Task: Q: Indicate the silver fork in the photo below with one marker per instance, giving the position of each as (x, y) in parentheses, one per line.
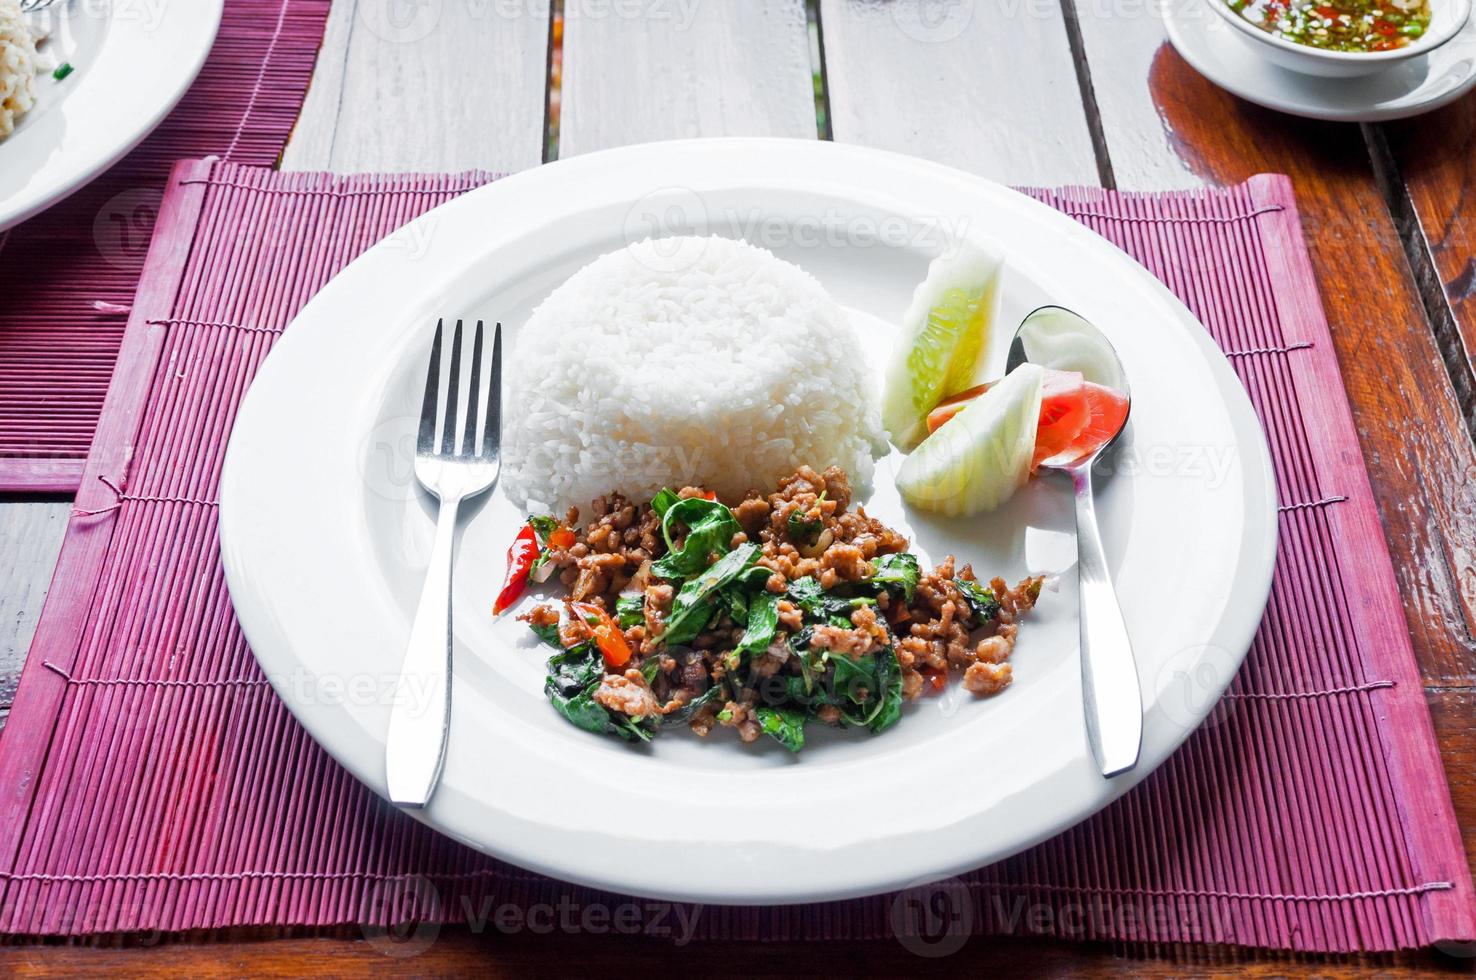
(453, 470)
(30, 6)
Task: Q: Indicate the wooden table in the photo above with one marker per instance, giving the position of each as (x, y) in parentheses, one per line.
(1022, 92)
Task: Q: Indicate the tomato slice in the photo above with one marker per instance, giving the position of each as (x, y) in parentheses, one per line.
(1108, 410)
(952, 405)
(1063, 414)
(1076, 416)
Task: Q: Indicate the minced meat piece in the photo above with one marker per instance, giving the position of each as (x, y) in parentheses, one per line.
(544, 614)
(985, 678)
(851, 643)
(628, 694)
(752, 514)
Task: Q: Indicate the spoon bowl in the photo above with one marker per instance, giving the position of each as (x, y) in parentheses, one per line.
(1056, 338)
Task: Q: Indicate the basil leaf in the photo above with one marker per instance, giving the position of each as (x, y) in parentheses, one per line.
(736, 604)
(794, 691)
(855, 679)
(713, 695)
(802, 529)
(763, 621)
(981, 600)
(543, 526)
(888, 693)
(630, 610)
(897, 573)
(632, 729)
(710, 528)
(785, 724)
(799, 645)
(693, 606)
(584, 712)
(815, 601)
(548, 634)
(573, 677)
(663, 500)
(573, 670)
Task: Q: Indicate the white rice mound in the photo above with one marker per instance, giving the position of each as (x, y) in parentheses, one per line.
(17, 67)
(693, 361)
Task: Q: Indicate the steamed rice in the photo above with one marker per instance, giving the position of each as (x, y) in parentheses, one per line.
(17, 67)
(698, 361)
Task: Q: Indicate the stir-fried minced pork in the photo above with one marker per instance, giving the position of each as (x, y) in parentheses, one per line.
(785, 608)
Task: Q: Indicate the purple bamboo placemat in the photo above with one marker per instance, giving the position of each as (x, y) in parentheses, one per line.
(67, 275)
(150, 779)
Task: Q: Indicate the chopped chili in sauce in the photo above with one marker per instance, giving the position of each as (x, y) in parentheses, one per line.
(1339, 25)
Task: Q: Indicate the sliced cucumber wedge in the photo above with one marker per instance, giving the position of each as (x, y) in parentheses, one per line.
(945, 334)
(982, 456)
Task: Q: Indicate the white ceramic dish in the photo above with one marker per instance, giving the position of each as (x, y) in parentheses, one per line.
(1447, 19)
(1220, 52)
(131, 64)
(325, 538)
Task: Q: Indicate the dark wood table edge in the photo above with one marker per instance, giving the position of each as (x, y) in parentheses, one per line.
(270, 951)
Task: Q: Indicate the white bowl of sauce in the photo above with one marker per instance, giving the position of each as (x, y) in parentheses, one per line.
(1344, 38)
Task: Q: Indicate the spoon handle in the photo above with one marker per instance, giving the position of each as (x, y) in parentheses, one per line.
(1109, 676)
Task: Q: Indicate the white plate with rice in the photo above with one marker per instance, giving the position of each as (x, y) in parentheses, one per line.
(129, 64)
(325, 535)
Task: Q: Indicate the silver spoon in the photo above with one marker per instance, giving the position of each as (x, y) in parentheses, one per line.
(1054, 337)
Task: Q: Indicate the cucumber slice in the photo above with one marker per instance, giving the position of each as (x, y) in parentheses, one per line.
(945, 334)
(982, 456)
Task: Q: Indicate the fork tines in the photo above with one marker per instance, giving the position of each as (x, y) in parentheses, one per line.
(454, 407)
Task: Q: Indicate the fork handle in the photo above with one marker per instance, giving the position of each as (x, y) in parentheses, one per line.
(1109, 675)
(420, 713)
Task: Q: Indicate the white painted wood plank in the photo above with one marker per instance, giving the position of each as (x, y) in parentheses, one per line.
(641, 70)
(439, 85)
(1121, 50)
(30, 538)
(310, 147)
(987, 87)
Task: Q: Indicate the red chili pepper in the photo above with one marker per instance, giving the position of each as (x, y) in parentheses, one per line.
(1327, 12)
(709, 495)
(519, 560)
(561, 538)
(1383, 27)
(937, 679)
(607, 634)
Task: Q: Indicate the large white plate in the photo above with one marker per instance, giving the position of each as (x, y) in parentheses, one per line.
(325, 538)
(132, 61)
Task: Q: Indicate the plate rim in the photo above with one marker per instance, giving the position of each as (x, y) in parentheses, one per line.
(187, 35)
(1257, 462)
